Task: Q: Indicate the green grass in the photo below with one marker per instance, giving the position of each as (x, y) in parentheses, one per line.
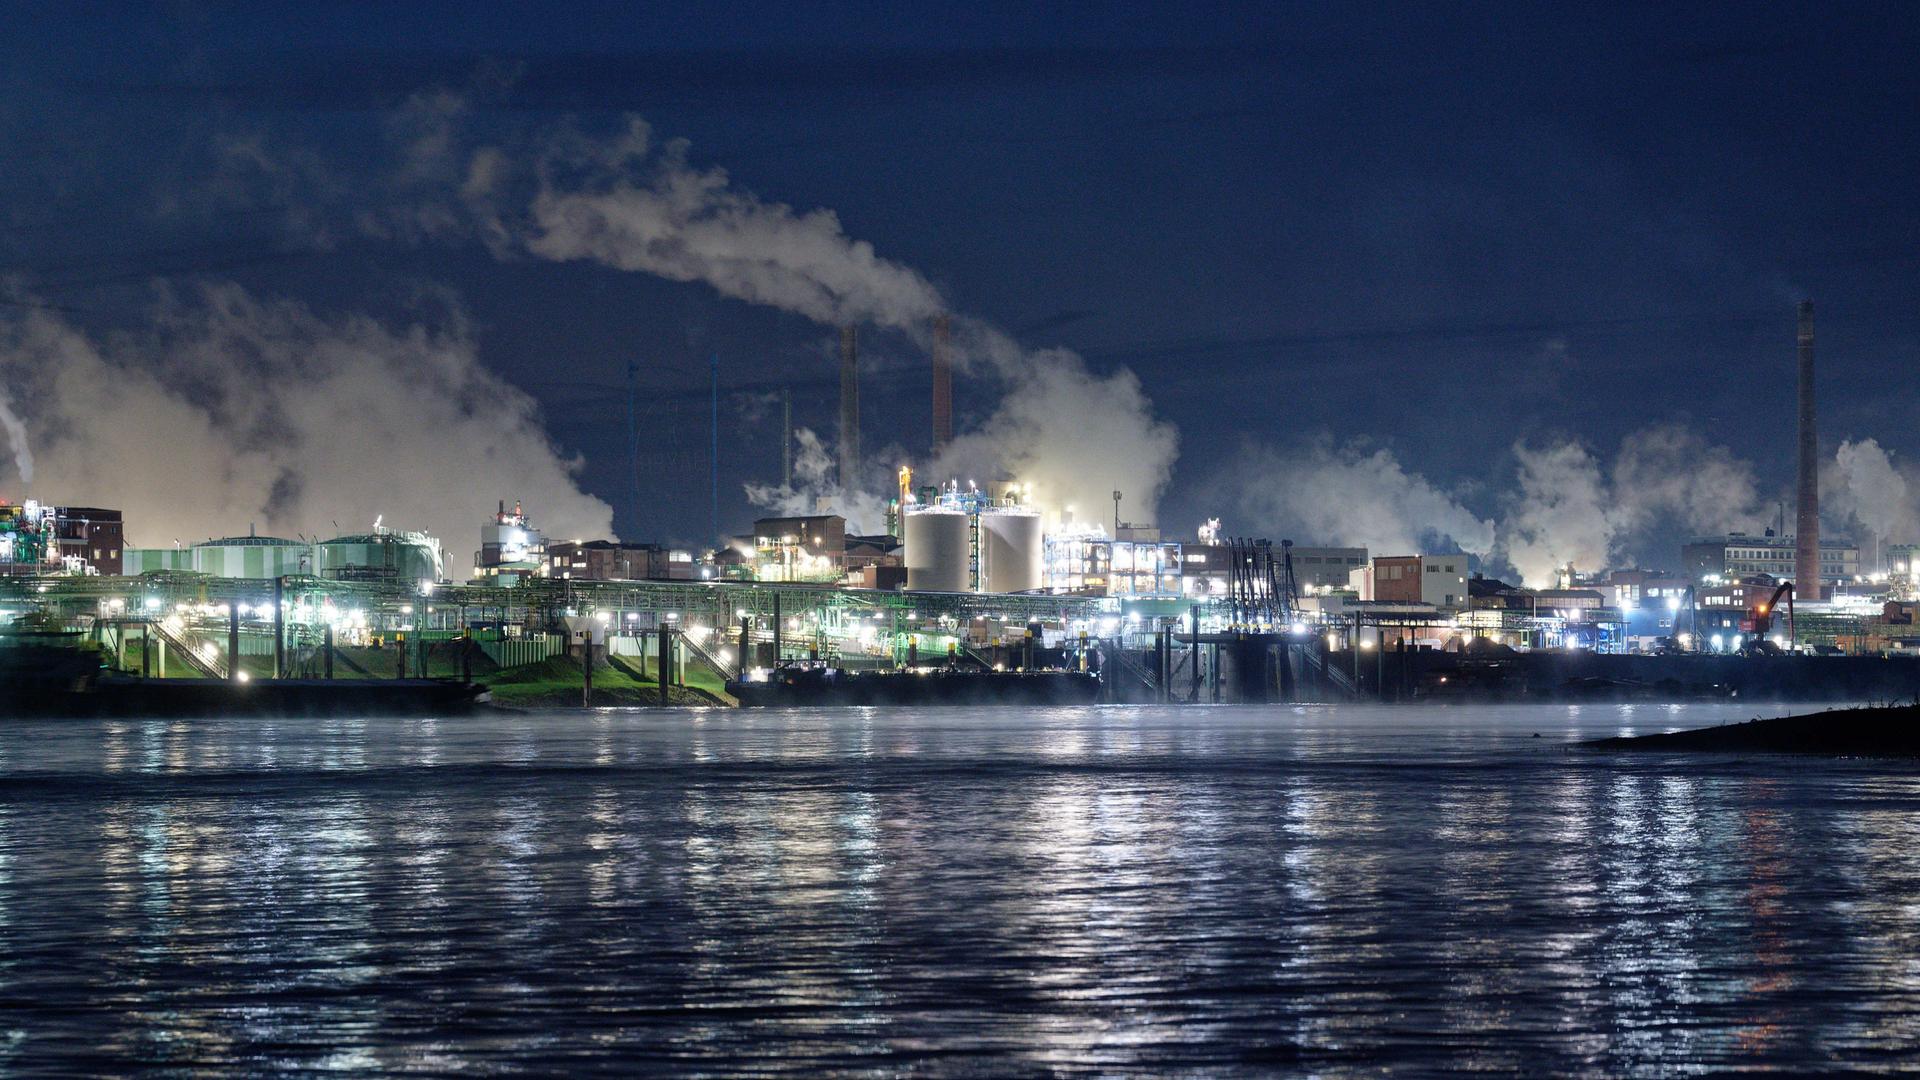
(556, 682)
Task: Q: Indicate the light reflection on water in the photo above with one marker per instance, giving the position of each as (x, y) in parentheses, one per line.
(1216, 890)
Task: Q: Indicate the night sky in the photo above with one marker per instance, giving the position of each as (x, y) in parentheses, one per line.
(1438, 230)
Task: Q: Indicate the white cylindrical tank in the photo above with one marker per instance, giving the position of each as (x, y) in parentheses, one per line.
(937, 542)
(1012, 557)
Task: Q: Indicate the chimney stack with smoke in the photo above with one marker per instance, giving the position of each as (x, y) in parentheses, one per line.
(1806, 535)
(942, 382)
(849, 408)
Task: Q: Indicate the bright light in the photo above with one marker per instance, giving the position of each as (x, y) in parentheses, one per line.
(1673, 603)
(243, 676)
(1717, 641)
(1366, 644)
(152, 603)
(1298, 628)
(602, 616)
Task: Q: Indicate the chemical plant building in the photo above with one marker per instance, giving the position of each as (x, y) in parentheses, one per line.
(1738, 554)
(611, 560)
(38, 539)
(1439, 581)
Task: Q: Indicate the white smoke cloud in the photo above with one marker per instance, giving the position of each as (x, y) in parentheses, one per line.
(633, 202)
(1668, 473)
(815, 490)
(1864, 486)
(1559, 515)
(1565, 506)
(17, 439)
(1354, 495)
(1074, 435)
(1664, 480)
(628, 203)
(232, 412)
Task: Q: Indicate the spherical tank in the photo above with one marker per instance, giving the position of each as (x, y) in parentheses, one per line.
(1011, 551)
(936, 541)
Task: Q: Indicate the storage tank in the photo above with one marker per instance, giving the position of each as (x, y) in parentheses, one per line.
(937, 542)
(408, 557)
(1012, 558)
(253, 557)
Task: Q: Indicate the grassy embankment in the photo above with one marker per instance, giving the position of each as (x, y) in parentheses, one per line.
(556, 683)
(547, 684)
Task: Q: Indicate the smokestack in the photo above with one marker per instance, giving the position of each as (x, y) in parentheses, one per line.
(849, 408)
(942, 382)
(1806, 530)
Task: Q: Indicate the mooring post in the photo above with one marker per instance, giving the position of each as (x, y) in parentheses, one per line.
(1193, 651)
(666, 659)
(1380, 667)
(146, 649)
(279, 629)
(233, 641)
(776, 629)
(326, 649)
(586, 669)
(1166, 664)
(746, 629)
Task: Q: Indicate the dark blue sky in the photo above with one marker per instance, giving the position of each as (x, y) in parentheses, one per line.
(1443, 228)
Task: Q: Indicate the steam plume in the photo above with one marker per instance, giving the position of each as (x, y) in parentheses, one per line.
(230, 411)
(636, 203)
(17, 439)
(1867, 487)
(1356, 495)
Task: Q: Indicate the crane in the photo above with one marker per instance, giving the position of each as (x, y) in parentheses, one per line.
(1762, 620)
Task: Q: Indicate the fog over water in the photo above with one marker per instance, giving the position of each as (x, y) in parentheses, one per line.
(1104, 889)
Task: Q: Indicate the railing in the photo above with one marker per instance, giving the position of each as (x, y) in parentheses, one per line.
(187, 650)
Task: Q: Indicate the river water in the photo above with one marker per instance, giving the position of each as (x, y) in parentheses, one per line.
(1094, 890)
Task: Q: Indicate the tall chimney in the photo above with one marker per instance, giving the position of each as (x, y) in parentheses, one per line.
(942, 382)
(849, 407)
(1806, 529)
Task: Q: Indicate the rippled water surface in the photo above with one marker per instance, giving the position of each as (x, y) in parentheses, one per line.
(1225, 890)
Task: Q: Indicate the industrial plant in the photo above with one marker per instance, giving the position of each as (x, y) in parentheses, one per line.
(970, 576)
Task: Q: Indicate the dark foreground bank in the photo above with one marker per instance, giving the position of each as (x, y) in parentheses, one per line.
(1889, 731)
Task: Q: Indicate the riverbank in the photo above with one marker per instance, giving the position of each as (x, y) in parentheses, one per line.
(1868, 731)
(556, 683)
